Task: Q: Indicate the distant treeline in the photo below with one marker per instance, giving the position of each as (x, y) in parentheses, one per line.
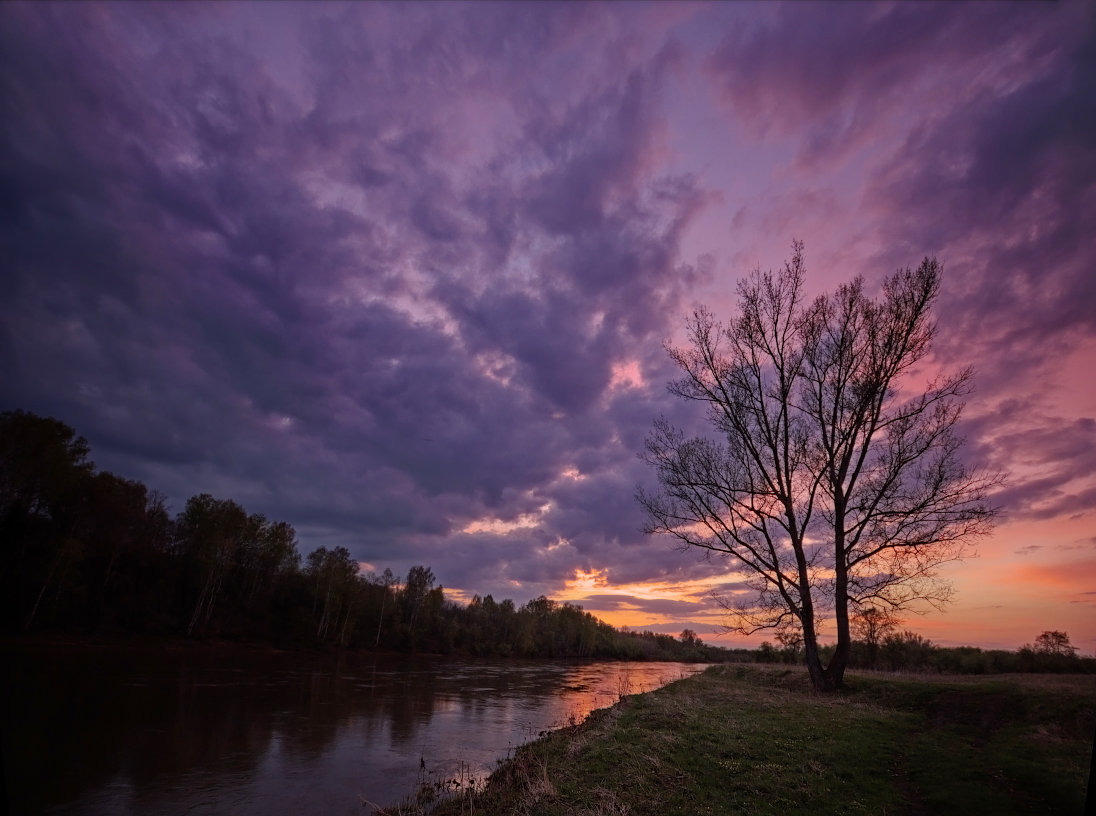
(85, 552)
(909, 652)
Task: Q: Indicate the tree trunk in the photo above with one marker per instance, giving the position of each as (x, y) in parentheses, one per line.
(840, 659)
(346, 620)
(321, 630)
(820, 677)
(198, 607)
(381, 619)
(254, 588)
(34, 611)
(106, 580)
(205, 599)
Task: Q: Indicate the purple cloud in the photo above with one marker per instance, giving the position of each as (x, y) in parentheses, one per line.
(323, 299)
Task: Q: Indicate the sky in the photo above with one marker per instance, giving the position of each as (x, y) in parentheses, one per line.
(401, 274)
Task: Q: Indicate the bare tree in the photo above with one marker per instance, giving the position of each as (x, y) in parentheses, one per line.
(1055, 643)
(870, 625)
(827, 489)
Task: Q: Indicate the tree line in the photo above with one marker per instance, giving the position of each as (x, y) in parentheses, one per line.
(87, 552)
(907, 651)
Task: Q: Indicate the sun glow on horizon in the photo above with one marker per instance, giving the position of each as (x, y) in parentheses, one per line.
(598, 579)
(626, 604)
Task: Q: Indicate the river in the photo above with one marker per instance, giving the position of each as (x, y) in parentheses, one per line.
(190, 731)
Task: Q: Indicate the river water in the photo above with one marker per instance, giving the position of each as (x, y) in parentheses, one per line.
(127, 731)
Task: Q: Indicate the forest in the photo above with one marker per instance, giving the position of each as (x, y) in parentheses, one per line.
(87, 553)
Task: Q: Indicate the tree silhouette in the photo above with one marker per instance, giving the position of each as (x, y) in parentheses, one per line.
(1054, 643)
(871, 625)
(826, 490)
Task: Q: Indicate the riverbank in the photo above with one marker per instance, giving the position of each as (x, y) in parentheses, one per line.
(754, 739)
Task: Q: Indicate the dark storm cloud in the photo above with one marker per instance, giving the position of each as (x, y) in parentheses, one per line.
(309, 296)
(833, 74)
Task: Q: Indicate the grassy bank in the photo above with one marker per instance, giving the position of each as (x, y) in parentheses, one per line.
(752, 739)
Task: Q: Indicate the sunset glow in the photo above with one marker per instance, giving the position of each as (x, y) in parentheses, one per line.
(498, 526)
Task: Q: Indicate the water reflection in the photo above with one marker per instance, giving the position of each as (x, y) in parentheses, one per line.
(94, 731)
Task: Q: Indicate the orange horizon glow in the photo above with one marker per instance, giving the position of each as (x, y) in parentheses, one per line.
(1002, 601)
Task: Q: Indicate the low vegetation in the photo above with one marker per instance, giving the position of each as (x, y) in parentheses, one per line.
(907, 651)
(752, 739)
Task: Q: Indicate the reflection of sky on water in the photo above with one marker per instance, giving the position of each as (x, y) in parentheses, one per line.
(125, 732)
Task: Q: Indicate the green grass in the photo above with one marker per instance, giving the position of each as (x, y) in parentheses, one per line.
(757, 740)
